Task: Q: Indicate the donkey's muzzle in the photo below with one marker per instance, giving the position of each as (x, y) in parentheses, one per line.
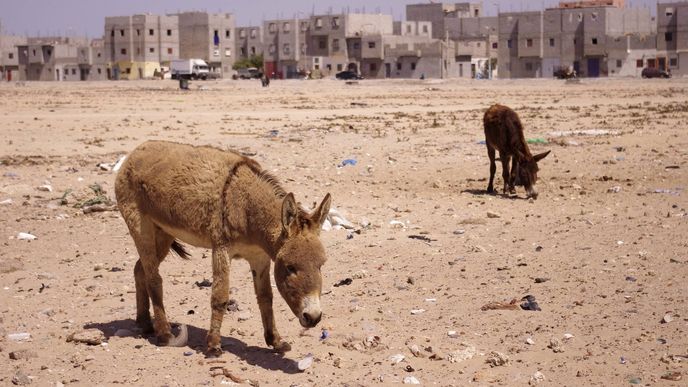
(310, 320)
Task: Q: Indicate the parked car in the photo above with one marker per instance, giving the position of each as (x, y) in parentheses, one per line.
(564, 72)
(248, 73)
(649, 72)
(347, 74)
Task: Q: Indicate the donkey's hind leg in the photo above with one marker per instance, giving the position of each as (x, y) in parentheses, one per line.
(493, 168)
(505, 170)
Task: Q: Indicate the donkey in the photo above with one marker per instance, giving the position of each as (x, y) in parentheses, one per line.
(226, 202)
(504, 132)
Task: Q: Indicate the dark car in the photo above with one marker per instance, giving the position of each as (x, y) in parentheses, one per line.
(348, 75)
(649, 72)
(564, 72)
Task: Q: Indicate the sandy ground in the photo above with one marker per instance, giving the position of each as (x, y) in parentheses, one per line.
(606, 240)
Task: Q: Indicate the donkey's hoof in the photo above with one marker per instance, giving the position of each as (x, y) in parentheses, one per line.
(282, 347)
(164, 339)
(145, 325)
(213, 352)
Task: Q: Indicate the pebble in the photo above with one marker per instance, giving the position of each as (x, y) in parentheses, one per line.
(25, 236)
(493, 215)
(530, 341)
(188, 353)
(417, 311)
(568, 336)
(411, 380)
(462, 354)
(453, 334)
(415, 350)
(243, 316)
(555, 345)
(88, 336)
(21, 379)
(497, 359)
(615, 189)
(19, 336)
(398, 358)
(305, 363)
(537, 377)
(459, 232)
(24, 354)
(98, 267)
(45, 188)
(667, 318)
(6, 202)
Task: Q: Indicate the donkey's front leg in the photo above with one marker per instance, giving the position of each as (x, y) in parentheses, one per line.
(218, 299)
(260, 268)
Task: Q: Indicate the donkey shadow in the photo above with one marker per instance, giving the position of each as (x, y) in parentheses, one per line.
(256, 356)
(483, 192)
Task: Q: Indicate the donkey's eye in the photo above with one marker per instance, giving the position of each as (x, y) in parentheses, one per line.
(291, 269)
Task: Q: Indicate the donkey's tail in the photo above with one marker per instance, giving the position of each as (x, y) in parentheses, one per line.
(180, 250)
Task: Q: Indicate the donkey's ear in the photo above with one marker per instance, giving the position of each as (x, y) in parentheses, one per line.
(320, 214)
(289, 212)
(541, 156)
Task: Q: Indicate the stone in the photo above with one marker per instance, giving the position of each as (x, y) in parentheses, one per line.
(22, 336)
(398, 358)
(415, 350)
(23, 354)
(555, 345)
(667, 318)
(493, 215)
(530, 341)
(411, 380)
(21, 379)
(88, 336)
(305, 363)
(536, 378)
(244, 316)
(497, 359)
(462, 354)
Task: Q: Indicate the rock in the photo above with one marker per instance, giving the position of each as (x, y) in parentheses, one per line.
(615, 189)
(244, 316)
(45, 188)
(47, 312)
(415, 350)
(305, 363)
(568, 336)
(417, 311)
(493, 215)
(673, 376)
(98, 267)
(530, 341)
(398, 358)
(360, 274)
(555, 345)
(459, 232)
(453, 334)
(667, 318)
(462, 354)
(123, 333)
(23, 354)
(21, 379)
(536, 378)
(411, 380)
(88, 336)
(23, 336)
(497, 359)
(25, 236)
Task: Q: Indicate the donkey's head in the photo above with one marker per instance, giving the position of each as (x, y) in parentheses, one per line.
(298, 261)
(526, 173)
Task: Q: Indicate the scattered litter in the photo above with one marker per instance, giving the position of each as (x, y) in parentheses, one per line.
(24, 236)
(622, 360)
(338, 221)
(415, 350)
(667, 318)
(346, 162)
(635, 381)
(204, 284)
(459, 232)
(586, 132)
(537, 377)
(536, 141)
(324, 334)
(430, 300)
(344, 282)
(615, 189)
(119, 163)
(672, 167)
(45, 188)
(497, 359)
(411, 380)
(398, 358)
(22, 336)
(568, 336)
(397, 224)
(453, 334)
(530, 341)
(674, 376)
(6, 202)
(417, 311)
(305, 363)
(462, 354)
(530, 303)
(481, 142)
(630, 278)
(273, 133)
(675, 192)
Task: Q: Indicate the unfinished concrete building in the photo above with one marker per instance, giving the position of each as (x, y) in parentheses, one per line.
(535, 44)
(92, 61)
(9, 56)
(283, 42)
(50, 59)
(248, 42)
(439, 13)
(592, 3)
(672, 38)
(210, 37)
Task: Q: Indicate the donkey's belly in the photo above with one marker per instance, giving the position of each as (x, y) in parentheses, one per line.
(186, 236)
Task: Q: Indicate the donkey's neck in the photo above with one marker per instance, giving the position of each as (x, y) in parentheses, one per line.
(254, 211)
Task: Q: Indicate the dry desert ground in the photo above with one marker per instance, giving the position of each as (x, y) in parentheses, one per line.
(603, 250)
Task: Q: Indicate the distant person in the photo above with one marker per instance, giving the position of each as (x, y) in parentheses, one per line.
(265, 80)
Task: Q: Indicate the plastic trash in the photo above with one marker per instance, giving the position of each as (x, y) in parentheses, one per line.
(25, 236)
(305, 363)
(537, 140)
(346, 162)
(530, 303)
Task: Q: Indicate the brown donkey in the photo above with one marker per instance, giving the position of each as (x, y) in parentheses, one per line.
(504, 132)
(226, 202)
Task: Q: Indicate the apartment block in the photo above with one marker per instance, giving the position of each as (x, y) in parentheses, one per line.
(248, 42)
(284, 46)
(92, 61)
(672, 37)
(50, 59)
(9, 57)
(210, 37)
(440, 13)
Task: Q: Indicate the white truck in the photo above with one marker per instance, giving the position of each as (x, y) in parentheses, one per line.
(189, 69)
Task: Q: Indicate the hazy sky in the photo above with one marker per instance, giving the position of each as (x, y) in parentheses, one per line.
(86, 17)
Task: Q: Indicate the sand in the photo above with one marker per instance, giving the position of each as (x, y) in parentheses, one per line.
(602, 250)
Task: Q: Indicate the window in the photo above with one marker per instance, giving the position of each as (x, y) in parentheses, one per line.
(669, 11)
(138, 50)
(121, 32)
(508, 43)
(73, 71)
(476, 12)
(151, 32)
(316, 60)
(398, 65)
(322, 43)
(303, 48)
(243, 51)
(335, 22)
(216, 52)
(329, 67)
(170, 51)
(478, 44)
(495, 45)
(575, 41)
(286, 27)
(98, 55)
(335, 44)
(357, 46)
(340, 67)
(138, 32)
(11, 55)
(408, 28)
(228, 52)
(304, 26)
(272, 27)
(668, 36)
(253, 32)
(242, 33)
(34, 52)
(316, 67)
(49, 51)
(227, 34)
(99, 70)
(318, 23)
(112, 33)
(673, 62)
(286, 48)
(618, 63)
(594, 41)
(371, 44)
(593, 16)
(551, 42)
(169, 32)
(151, 49)
(253, 50)
(529, 66)
(580, 17)
(272, 49)
(123, 51)
(413, 65)
(639, 63)
(373, 67)
(529, 42)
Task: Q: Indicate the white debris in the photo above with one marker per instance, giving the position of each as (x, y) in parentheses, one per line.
(586, 132)
(25, 236)
(568, 336)
(497, 359)
(411, 380)
(462, 354)
(335, 220)
(667, 318)
(530, 341)
(19, 336)
(398, 358)
(45, 188)
(306, 362)
(453, 334)
(417, 311)
(536, 378)
(6, 202)
(397, 224)
(119, 163)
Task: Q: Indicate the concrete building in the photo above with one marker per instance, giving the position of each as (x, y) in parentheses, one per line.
(439, 13)
(592, 3)
(9, 57)
(248, 42)
(50, 59)
(92, 61)
(210, 37)
(137, 46)
(672, 38)
(283, 43)
(409, 56)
